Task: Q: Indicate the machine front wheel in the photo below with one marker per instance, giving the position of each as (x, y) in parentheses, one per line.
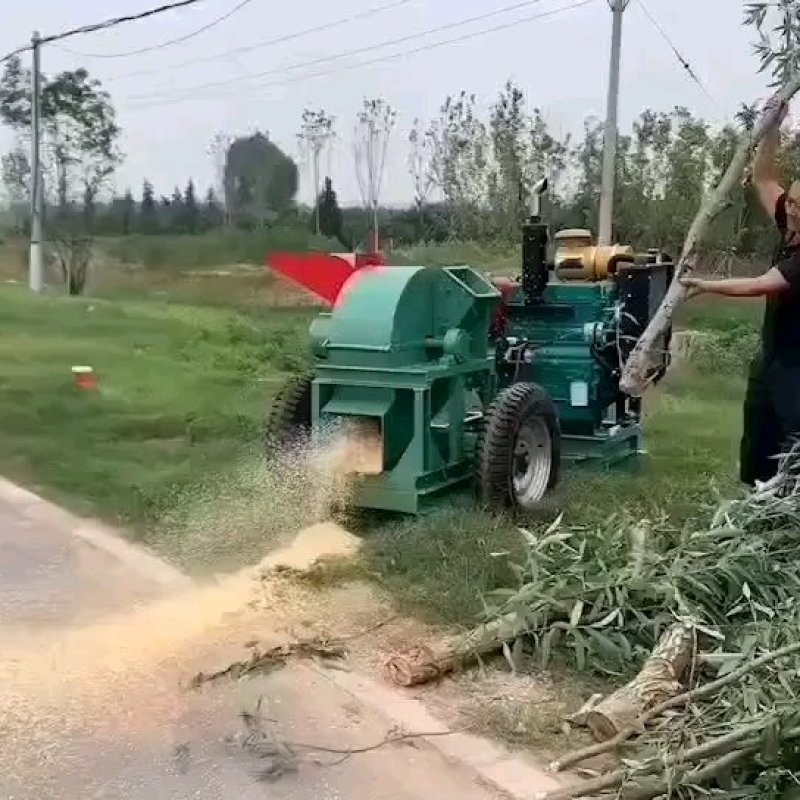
(519, 448)
(290, 416)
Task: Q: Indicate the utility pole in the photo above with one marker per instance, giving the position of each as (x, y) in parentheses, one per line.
(36, 261)
(606, 213)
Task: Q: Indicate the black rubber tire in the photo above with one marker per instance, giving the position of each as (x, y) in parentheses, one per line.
(290, 416)
(509, 411)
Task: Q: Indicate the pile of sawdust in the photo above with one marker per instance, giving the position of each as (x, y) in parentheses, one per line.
(233, 518)
(125, 673)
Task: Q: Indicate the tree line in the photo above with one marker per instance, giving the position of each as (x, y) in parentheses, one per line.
(470, 174)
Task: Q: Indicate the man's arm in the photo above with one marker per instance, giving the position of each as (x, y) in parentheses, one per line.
(766, 175)
(771, 282)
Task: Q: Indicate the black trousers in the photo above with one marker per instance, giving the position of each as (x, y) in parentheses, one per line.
(771, 418)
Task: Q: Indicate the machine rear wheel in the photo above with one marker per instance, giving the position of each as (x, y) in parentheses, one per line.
(519, 448)
(290, 417)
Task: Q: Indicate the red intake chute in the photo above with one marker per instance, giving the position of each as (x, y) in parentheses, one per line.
(322, 274)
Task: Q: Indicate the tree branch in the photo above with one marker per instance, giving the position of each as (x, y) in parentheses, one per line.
(682, 699)
(637, 371)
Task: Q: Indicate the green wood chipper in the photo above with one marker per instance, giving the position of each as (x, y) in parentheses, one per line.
(475, 383)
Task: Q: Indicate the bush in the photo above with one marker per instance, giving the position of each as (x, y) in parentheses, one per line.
(213, 249)
(726, 352)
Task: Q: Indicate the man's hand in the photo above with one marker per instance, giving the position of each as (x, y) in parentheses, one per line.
(782, 113)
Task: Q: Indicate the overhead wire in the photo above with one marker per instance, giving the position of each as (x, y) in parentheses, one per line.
(169, 42)
(288, 37)
(345, 54)
(190, 93)
(17, 52)
(114, 21)
(101, 26)
(683, 62)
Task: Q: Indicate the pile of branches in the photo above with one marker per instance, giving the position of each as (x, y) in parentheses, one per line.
(709, 613)
(713, 614)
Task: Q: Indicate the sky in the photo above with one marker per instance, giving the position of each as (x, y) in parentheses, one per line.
(559, 60)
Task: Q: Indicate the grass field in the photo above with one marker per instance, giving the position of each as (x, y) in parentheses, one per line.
(188, 363)
(183, 390)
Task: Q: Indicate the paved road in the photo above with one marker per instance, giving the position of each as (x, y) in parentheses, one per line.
(76, 724)
(48, 576)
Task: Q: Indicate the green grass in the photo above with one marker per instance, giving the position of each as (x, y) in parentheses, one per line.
(184, 391)
(166, 447)
(498, 260)
(712, 313)
(210, 250)
(438, 567)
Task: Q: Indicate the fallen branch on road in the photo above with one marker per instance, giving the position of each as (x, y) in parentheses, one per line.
(272, 659)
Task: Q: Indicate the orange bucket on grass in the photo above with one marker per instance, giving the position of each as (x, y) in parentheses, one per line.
(84, 377)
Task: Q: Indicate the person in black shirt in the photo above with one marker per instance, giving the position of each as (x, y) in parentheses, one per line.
(772, 403)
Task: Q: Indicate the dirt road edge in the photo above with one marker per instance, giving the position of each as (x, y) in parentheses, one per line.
(491, 763)
(95, 534)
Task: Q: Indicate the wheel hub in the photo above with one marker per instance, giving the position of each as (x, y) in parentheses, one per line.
(532, 462)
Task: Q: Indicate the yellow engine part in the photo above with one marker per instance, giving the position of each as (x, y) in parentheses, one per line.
(577, 258)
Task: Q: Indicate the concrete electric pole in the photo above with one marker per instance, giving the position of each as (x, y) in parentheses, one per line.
(606, 212)
(36, 261)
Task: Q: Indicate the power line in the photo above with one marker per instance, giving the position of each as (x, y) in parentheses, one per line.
(17, 52)
(379, 59)
(370, 12)
(114, 21)
(683, 62)
(167, 43)
(101, 26)
(357, 51)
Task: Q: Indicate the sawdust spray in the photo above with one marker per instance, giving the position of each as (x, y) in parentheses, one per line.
(121, 677)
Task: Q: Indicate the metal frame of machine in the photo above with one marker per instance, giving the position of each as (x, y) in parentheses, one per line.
(470, 381)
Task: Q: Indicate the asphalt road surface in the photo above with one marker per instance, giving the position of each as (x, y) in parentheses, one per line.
(73, 724)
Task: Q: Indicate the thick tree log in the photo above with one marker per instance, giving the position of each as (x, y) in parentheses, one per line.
(707, 690)
(637, 372)
(660, 678)
(421, 664)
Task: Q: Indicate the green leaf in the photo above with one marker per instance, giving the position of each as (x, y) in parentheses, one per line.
(771, 747)
(580, 647)
(604, 647)
(577, 613)
(608, 619)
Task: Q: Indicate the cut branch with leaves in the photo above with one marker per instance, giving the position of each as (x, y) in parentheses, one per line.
(778, 48)
(709, 613)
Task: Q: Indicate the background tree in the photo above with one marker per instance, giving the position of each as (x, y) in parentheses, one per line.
(128, 212)
(79, 130)
(79, 153)
(420, 167)
(190, 210)
(212, 215)
(509, 180)
(328, 219)
(217, 149)
(16, 172)
(374, 125)
(148, 211)
(260, 180)
(460, 147)
(315, 136)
